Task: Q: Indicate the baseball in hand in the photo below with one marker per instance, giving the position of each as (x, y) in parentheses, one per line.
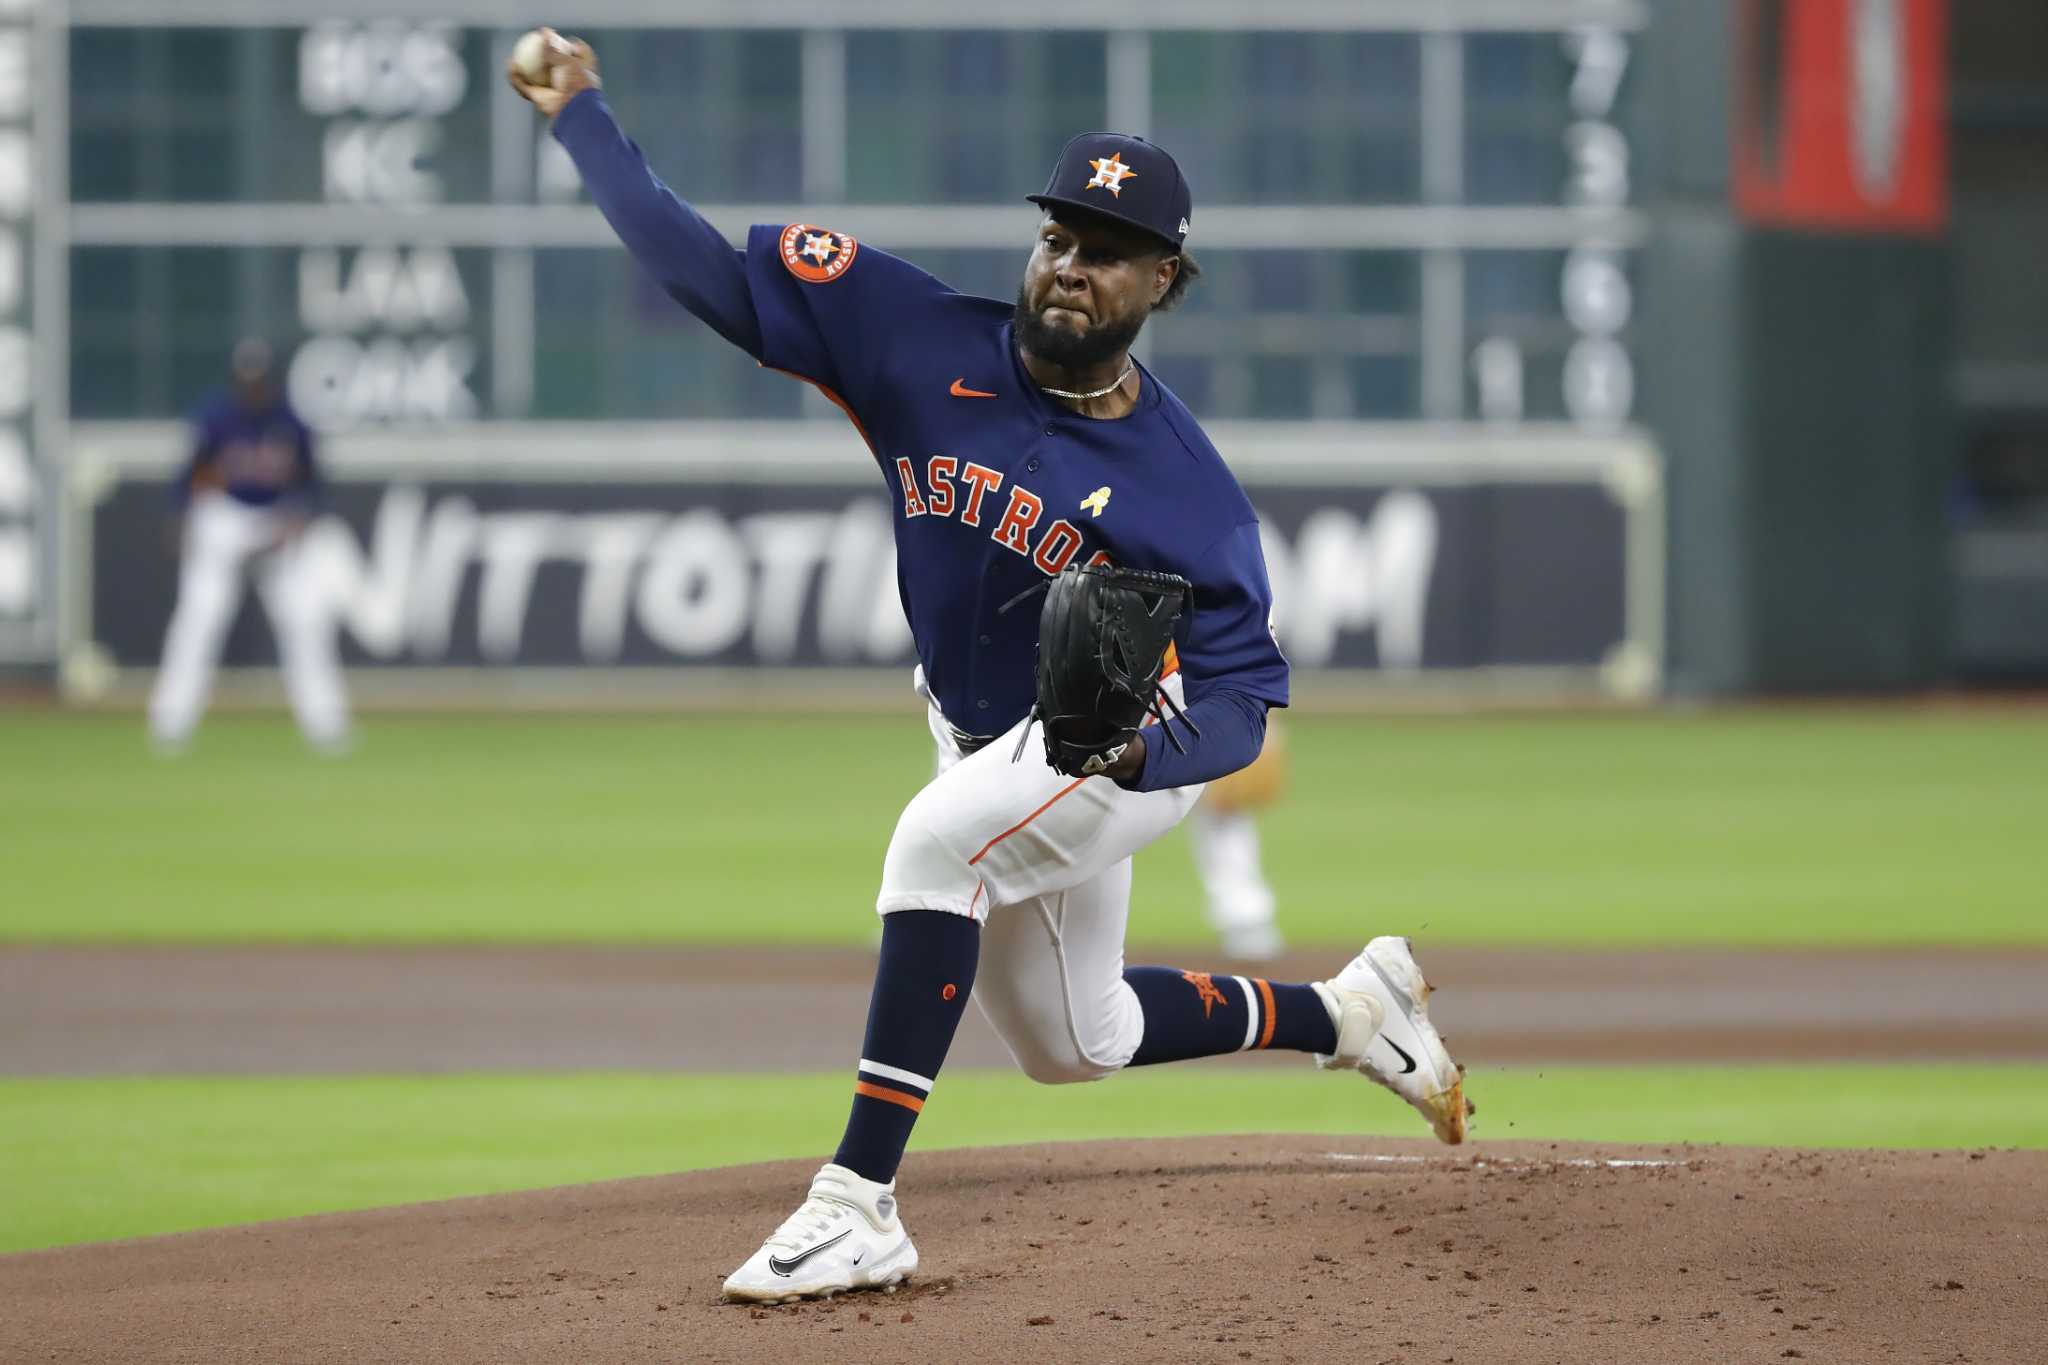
(530, 55)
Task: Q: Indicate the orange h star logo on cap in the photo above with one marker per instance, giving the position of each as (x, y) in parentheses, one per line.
(1110, 174)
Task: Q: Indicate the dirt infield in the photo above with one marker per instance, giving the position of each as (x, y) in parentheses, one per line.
(1219, 1249)
(68, 1011)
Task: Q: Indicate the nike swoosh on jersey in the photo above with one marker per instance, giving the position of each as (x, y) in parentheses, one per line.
(960, 390)
(788, 1267)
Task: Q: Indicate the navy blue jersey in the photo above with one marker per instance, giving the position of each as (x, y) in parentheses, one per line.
(255, 456)
(995, 486)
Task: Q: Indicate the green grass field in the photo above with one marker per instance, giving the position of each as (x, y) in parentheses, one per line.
(93, 1159)
(1788, 827)
(1771, 828)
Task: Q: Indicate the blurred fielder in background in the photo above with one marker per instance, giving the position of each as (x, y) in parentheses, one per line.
(245, 498)
(1223, 836)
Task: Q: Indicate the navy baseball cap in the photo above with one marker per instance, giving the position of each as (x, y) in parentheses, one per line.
(1125, 178)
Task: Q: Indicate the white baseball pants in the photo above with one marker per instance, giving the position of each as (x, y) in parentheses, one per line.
(224, 537)
(1043, 860)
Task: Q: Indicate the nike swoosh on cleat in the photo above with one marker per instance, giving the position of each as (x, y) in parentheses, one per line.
(960, 390)
(788, 1267)
(1401, 1051)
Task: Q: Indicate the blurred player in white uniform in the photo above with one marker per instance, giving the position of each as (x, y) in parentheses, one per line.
(1223, 836)
(247, 493)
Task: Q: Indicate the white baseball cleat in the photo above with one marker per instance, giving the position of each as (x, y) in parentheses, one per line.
(1379, 1003)
(844, 1236)
(1258, 942)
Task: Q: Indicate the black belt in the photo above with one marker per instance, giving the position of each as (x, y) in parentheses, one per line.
(965, 742)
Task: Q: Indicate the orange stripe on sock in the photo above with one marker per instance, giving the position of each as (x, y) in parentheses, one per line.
(878, 1092)
(1266, 1003)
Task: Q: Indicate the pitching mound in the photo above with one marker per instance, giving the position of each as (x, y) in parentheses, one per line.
(1226, 1249)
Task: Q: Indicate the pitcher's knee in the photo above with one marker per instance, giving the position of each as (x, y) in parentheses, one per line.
(1061, 1066)
(1054, 1046)
(923, 871)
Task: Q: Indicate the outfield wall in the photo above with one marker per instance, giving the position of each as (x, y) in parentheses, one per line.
(576, 561)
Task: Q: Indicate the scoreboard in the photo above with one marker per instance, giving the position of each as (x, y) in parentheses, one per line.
(1411, 216)
(368, 192)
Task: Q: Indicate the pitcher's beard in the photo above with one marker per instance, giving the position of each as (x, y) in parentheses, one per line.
(1075, 352)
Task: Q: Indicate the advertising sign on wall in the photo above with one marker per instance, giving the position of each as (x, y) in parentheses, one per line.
(436, 573)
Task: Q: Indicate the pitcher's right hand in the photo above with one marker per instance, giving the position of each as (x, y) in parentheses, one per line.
(571, 68)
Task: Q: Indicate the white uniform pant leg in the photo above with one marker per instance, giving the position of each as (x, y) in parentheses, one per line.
(1043, 860)
(218, 539)
(1051, 981)
(989, 832)
(305, 645)
(1225, 845)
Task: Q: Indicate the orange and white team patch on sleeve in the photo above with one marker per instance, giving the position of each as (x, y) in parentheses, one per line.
(817, 255)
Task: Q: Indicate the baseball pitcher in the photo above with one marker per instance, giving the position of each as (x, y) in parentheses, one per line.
(1084, 584)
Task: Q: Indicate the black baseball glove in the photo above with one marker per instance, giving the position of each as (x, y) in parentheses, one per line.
(1102, 640)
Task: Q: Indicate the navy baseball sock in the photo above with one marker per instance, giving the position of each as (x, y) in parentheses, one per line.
(921, 985)
(1195, 1014)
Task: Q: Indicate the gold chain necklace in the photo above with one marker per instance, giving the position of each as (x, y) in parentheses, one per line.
(1111, 388)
